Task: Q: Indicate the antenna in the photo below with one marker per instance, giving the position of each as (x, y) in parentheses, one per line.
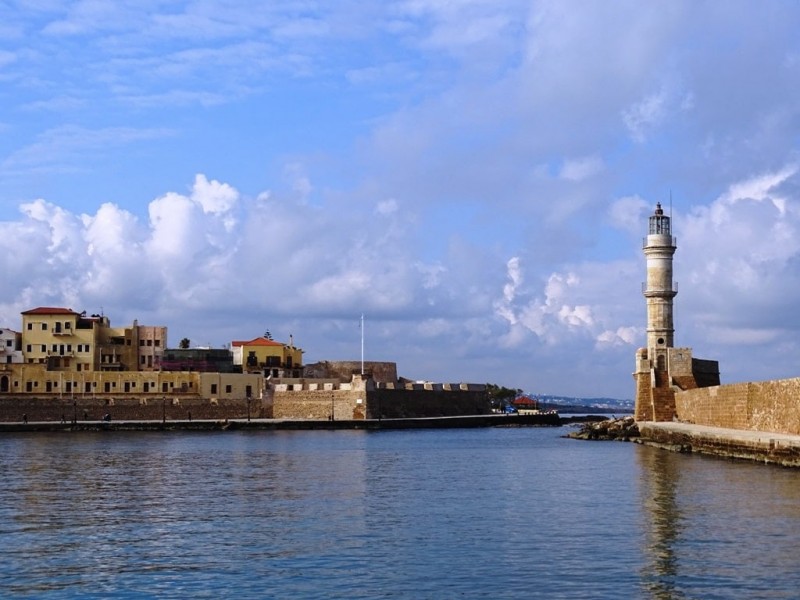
(670, 204)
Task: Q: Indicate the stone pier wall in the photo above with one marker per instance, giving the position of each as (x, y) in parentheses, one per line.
(754, 406)
(153, 408)
(440, 400)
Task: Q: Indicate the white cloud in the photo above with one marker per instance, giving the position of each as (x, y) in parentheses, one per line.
(386, 207)
(213, 196)
(629, 213)
(644, 115)
(622, 336)
(483, 167)
(581, 168)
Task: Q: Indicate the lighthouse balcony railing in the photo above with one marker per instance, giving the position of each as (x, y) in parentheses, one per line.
(672, 238)
(662, 289)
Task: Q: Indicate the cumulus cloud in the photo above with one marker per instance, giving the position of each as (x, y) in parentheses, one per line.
(474, 176)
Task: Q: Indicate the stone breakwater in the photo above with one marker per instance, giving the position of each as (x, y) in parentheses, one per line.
(624, 429)
(759, 446)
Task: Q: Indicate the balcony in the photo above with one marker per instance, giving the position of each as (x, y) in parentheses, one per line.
(650, 292)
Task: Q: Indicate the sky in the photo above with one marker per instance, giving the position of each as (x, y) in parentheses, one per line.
(474, 177)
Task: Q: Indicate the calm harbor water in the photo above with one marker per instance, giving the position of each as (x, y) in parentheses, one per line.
(488, 513)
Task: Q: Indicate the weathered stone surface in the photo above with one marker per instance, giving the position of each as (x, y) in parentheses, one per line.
(623, 429)
(771, 448)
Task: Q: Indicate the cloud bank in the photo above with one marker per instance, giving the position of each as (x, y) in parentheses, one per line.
(474, 177)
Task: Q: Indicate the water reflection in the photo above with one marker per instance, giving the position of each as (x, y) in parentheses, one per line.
(659, 475)
(716, 528)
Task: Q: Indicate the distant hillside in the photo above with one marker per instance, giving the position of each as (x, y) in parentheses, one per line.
(564, 404)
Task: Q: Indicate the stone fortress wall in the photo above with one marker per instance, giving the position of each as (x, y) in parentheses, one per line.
(753, 406)
(218, 396)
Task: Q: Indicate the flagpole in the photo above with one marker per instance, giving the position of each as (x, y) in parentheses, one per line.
(362, 343)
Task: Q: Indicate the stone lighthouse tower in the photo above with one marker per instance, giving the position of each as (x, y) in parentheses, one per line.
(659, 291)
(661, 369)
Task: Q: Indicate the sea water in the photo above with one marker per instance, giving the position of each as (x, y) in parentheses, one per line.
(472, 513)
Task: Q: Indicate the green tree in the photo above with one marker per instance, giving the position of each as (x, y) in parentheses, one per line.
(499, 396)
(184, 345)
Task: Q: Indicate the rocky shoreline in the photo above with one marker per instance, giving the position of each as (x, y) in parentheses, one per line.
(624, 429)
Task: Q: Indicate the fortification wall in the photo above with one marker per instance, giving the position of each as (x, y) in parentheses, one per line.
(129, 408)
(402, 403)
(342, 403)
(755, 406)
(345, 369)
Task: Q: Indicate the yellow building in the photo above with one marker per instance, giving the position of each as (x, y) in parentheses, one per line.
(273, 359)
(64, 340)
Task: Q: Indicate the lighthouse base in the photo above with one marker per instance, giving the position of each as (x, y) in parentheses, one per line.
(658, 381)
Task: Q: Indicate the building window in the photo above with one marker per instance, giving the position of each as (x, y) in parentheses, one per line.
(44, 348)
(28, 348)
(55, 347)
(227, 389)
(141, 342)
(158, 343)
(30, 326)
(44, 326)
(213, 388)
(149, 342)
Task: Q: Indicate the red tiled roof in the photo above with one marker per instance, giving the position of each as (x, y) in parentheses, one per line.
(259, 341)
(49, 310)
(524, 401)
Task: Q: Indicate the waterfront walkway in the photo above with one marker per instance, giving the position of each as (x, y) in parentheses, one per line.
(762, 446)
(492, 420)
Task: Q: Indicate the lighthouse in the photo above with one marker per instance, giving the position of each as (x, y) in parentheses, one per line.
(661, 368)
(659, 247)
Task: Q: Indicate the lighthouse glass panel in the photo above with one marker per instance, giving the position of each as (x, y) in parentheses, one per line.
(659, 225)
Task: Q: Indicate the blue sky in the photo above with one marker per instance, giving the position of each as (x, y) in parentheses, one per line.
(474, 176)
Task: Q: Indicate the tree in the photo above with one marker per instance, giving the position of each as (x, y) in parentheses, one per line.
(268, 335)
(500, 396)
(184, 345)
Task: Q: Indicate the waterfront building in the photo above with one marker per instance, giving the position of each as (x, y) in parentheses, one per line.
(204, 360)
(263, 355)
(65, 340)
(10, 347)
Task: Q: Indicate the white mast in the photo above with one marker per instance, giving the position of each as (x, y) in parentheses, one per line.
(362, 343)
